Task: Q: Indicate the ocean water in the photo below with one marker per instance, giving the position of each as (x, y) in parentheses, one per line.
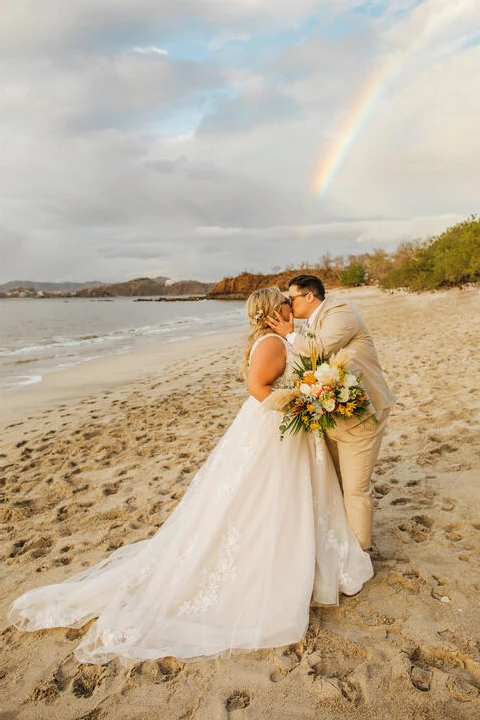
(40, 336)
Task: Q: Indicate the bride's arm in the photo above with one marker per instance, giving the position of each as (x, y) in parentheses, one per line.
(266, 365)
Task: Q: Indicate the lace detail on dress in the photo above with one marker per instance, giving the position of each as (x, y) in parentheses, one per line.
(58, 616)
(225, 569)
(137, 578)
(113, 638)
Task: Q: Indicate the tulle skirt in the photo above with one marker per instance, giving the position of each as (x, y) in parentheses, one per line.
(259, 535)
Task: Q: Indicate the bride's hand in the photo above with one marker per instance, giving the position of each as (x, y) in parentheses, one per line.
(279, 325)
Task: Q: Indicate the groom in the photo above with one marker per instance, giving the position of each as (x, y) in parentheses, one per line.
(354, 443)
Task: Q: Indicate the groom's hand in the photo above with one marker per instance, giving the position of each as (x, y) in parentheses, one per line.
(281, 326)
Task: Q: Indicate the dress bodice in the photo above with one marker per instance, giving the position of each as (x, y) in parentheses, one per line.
(280, 380)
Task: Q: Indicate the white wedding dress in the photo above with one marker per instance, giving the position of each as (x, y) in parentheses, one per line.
(259, 535)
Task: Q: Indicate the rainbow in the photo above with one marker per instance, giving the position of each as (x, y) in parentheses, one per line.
(352, 125)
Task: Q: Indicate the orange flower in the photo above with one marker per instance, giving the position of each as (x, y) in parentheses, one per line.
(309, 378)
(349, 408)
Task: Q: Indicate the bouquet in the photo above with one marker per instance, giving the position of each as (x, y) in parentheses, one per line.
(320, 392)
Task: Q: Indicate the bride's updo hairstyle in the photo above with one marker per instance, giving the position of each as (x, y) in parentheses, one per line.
(260, 305)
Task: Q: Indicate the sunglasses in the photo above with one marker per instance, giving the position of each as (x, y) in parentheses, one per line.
(294, 297)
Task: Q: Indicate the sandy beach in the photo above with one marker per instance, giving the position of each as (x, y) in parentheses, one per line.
(97, 456)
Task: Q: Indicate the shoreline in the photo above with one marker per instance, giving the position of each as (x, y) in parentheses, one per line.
(111, 372)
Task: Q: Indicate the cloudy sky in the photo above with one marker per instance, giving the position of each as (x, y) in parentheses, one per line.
(199, 138)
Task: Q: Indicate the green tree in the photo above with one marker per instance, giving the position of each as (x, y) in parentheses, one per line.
(353, 275)
(451, 258)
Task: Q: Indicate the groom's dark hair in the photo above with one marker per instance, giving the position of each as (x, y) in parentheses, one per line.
(309, 283)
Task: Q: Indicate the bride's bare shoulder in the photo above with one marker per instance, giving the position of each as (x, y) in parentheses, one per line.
(268, 345)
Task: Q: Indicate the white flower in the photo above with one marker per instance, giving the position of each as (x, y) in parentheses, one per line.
(305, 389)
(329, 404)
(327, 375)
(349, 380)
(344, 394)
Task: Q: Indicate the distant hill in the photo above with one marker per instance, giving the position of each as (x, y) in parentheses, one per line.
(138, 287)
(141, 287)
(47, 286)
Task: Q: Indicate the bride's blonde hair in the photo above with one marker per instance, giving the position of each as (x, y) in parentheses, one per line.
(260, 305)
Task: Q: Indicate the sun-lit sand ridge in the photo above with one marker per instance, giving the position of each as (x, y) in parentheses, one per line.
(100, 457)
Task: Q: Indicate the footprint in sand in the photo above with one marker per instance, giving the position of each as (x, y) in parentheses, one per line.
(463, 673)
(351, 692)
(20, 510)
(81, 488)
(408, 579)
(400, 501)
(331, 660)
(441, 590)
(111, 488)
(417, 528)
(37, 547)
(285, 662)
(45, 692)
(87, 680)
(238, 700)
(452, 532)
(160, 671)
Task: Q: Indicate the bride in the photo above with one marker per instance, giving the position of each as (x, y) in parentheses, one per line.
(259, 535)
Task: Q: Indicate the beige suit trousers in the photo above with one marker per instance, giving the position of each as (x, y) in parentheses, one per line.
(354, 452)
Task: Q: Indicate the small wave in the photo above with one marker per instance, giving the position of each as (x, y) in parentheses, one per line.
(30, 380)
(178, 338)
(77, 360)
(57, 345)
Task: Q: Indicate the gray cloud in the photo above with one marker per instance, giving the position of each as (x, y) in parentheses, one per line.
(125, 92)
(263, 105)
(117, 162)
(59, 28)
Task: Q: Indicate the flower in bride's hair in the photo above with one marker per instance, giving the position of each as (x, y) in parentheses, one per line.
(259, 315)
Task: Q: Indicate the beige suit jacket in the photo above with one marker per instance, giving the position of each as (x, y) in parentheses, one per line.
(338, 325)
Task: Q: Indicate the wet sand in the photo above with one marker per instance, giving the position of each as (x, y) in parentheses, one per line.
(99, 455)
